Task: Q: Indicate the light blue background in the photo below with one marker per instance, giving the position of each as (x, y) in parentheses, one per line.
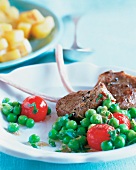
(107, 26)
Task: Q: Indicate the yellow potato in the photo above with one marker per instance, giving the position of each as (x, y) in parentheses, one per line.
(10, 55)
(12, 12)
(43, 29)
(24, 47)
(2, 52)
(3, 44)
(14, 36)
(34, 16)
(4, 18)
(4, 4)
(26, 27)
(5, 27)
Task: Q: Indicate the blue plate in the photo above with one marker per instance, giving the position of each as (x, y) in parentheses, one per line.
(39, 47)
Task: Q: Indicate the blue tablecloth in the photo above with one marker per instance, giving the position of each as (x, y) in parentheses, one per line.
(109, 27)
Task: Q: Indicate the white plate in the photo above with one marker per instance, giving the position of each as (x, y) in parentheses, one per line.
(45, 78)
(40, 47)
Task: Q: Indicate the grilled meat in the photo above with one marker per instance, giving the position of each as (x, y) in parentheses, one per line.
(79, 102)
(122, 86)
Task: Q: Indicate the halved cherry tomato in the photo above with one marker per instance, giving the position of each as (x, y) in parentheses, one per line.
(34, 107)
(122, 119)
(97, 134)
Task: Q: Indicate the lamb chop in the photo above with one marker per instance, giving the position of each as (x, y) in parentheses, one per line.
(122, 86)
(79, 102)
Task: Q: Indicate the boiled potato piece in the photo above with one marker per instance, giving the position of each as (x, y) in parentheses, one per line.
(3, 44)
(43, 29)
(12, 12)
(4, 18)
(10, 55)
(4, 4)
(24, 47)
(2, 52)
(34, 16)
(14, 36)
(5, 27)
(26, 27)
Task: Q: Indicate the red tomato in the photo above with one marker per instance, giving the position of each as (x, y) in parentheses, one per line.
(34, 107)
(97, 134)
(122, 119)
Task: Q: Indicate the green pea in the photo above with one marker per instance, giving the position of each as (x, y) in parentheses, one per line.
(49, 111)
(57, 126)
(5, 100)
(61, 134)
(114, 108)
(71, 124)
(81, 130)
(13, 127)
(30, 123)
(11, 118)
(132, 112)
(123, 128)
(17, 110)
(119, 142)
(85, 122)
(34, 138)
(6, 109)
(53, 134)
(114, 122)
(62, 120)
(96, 119)
(134, 128)
(82, 140)
(22, 119)
(52, 142)
(107, 103)
(89, 113)
(66, 139)
(106, 145)
(131, 134)
(124, 136)
(101, 109)
(15, 103)
(34, 145)
(73, 145)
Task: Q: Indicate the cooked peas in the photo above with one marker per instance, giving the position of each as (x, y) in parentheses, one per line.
(53, 134)
(6, 109)
(89, 113)
(107, 103)
(66, 139)
(5, 100)
(119, 142)
(57, 126)
(52, 142)
(73, 144)
(82, 140)
(101, 109)
(131, 134)
(85, 122)
(106, 145)
(34, 138)
(11, 118)
(71, 124)
(123, 128)
(114, 122)
(30, 123)
(13, 127)
(81, 130)
(96, 119)
(17, 110)
(22, 119)
(132, 112)
(114, 108)
(49, 111)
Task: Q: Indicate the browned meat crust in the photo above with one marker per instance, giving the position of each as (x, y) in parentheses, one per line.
(122, 86)
(79, 102)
